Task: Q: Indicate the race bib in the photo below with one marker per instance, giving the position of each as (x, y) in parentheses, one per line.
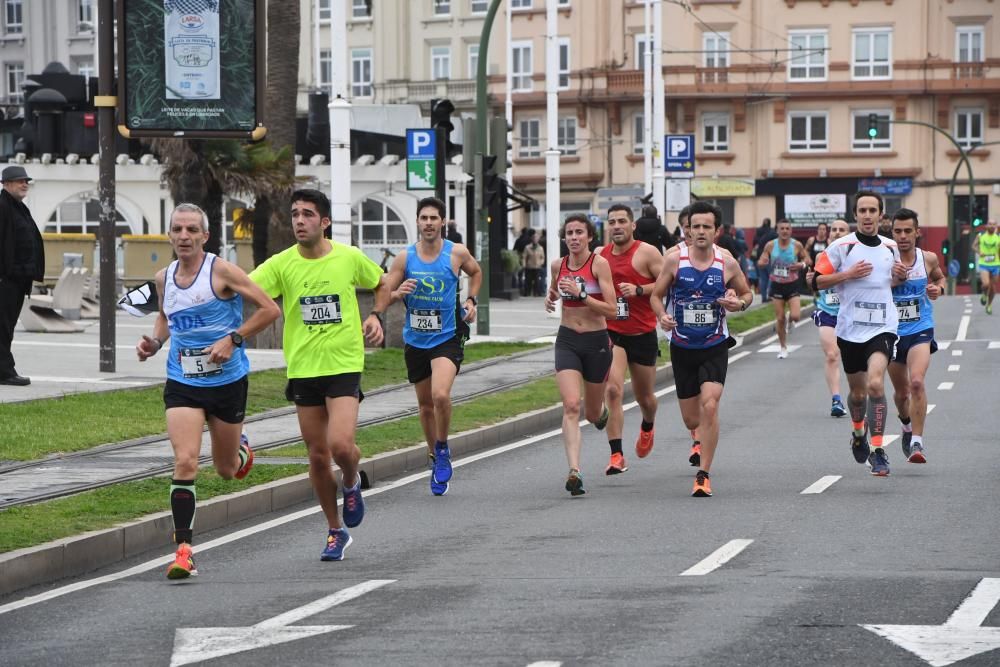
(780, 271)
(195, 364)
(868, 314)
(909, 310)
(580, 283)
(323, 309)
(425, 321)
(988, 259)
(699, 315)
(622, 313)
(832, 299)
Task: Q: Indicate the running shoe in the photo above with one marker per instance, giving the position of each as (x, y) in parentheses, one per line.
(702, 485)
(183, 565)
(905, 440)
(695, 458)
(437, 488)
(616, 465)
(337, 541)
(837, 409)
(442, 463)
(644, 444)
(982, 299)
(245, 468)
(602, 421)
(354, 505)
(880, 463)
(917, 454)
(783, 353)
(989, 309)
(860, 448)
(574, 483)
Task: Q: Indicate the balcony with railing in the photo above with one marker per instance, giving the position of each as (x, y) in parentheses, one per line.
(415, 92)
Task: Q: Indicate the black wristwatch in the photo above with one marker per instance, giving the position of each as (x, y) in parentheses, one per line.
(473, 300)
(237, 338)
(638, 290)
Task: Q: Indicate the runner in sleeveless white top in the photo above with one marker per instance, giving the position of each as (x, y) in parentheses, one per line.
(201, 310)
(925, 281)
(864, 267)
(825, 317)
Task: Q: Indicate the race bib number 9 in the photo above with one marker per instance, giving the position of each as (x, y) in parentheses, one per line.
(699, 315)
(425, 321)
(195, 364)
(622, 313)
(323, 309)
(868, 314)
(909, 310)
(832, 299)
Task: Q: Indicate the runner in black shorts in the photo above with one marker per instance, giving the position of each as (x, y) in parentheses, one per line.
(786, 258)
(314, 391)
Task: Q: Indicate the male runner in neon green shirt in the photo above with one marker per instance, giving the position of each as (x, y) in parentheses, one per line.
(325, 352)
(987, 246)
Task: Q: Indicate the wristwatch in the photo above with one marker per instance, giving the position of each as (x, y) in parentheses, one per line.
(743, 304)
(473, 300)
(638, 290)
(237, 338)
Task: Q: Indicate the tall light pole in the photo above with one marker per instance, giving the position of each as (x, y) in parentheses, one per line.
(552, 129)
(659, 129)
(647, 97)
(105, 102)
(340, 126)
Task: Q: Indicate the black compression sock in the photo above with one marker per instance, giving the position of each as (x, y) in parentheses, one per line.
(182, 506)
(646, 426)
(616, 445)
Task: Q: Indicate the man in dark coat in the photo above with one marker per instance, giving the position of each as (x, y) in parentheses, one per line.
(650, 229)
(22, 260)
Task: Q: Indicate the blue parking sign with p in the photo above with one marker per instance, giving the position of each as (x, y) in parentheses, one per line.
(679, 154)
(420, 144)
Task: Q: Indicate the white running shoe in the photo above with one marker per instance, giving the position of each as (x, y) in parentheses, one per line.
(783, 353)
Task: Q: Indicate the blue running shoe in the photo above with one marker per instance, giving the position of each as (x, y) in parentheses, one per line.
(905, 440)
(442, 463)
(438, 488)
(860, 448)
(837, 409)
(337, 542)
(880, 463)
(354, 505)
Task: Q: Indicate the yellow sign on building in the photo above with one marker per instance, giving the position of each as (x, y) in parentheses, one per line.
(711, 188)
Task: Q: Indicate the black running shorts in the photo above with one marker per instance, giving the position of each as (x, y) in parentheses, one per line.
(693, 368)
(588, 352)
(227, 402)
(784, 291)
(642, 349)
(854, 356)
(418, 359)
(312, 392)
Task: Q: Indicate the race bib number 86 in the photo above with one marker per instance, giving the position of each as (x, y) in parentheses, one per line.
(699, 315)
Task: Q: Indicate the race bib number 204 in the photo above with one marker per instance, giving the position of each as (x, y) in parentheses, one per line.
(322, 309)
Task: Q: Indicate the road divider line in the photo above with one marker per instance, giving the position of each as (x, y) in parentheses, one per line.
(953, 368)
(946, 386)
(931, 406)
(717, 558)
(821, 485)
(956, 353)
(889, 439)
(546, 663)
(769, 340)
(994, 345)
(963, 328)
(943, 345)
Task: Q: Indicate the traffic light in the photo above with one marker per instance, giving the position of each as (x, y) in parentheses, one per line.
(499, 141)
(872, 125)
(945, 247)
(977, 222)
(441, 111)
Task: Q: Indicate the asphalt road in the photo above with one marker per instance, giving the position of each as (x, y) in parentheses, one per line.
(507, 569)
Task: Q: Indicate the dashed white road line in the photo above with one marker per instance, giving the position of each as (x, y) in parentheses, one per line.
(546, 663)
(994, 345)
(963, 328)
(946, 386)
(931, 406)
(956, 353)
(774, 349)
(953, 368)
(944, 345)
(821, 485)
(717, 558)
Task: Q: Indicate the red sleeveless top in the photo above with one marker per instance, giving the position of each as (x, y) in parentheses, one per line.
(635, 315)
(584, 277)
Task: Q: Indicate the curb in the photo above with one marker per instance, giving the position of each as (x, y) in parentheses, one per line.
(73, 556)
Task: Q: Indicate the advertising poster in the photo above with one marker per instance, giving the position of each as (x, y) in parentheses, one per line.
(810, 210)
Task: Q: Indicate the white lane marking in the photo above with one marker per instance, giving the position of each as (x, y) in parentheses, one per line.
(546, 663)
(294, 516)
(889, 439)
(801, 322)
(340, 597)
(930, 407)
(717, 558)
(945, 386)
(944, 345)
(953, 368)
(963, 328)
(769, 340)
(821, 485)
(68, 380)
(131, 348)
(777, 348)
(994, 345)
(956, 353)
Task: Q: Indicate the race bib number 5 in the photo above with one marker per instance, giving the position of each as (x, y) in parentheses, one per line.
(909, 310)
(195, 364)
(323, 309)
(699, 315)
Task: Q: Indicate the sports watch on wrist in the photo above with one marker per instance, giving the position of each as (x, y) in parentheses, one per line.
(237, 338)
(638, 290)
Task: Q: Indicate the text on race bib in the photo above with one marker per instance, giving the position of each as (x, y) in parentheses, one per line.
(425, 321)
(780, 271)
(868, 314)
(988, 259)
(622, 306)
(195, 364)
(580, 283)
(909, 310)
(832, 299)
(699, 315)
(323, 309)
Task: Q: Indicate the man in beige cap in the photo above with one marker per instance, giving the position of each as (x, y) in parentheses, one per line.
(22, 260)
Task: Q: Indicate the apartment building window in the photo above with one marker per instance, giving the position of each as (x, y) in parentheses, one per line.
(522, 69)
(715, 132)
(520, 4)
(381, 225)
(13, 17)
(440, 62)
(85, 67)
(325, 70)
(564, 68)
(872, 53)
(969, 44)
(325, 10)
(85, 15)
(473, 60)
(442, 7)
(83, 217)
(361, 72)
(808, 62)
(478, 6)
(15, 76)
(859, 127)
(530, 143)
(716, 48)
(807, 131)
(968, 127)
(638, 134)
(360, 9)
(566, 137)
(640, 51)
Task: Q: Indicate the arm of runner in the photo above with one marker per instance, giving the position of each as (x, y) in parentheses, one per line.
(650, 262)
(735, 279)
(475, 273)
(150, 345)
(765, 254)
(660, 288)
(936, 280)
(602, 271)
(267, 310)
(803, 256)
(372, 327)
(395, 279)
(552, 295)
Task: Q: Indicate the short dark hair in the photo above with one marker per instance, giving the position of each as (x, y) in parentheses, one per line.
(783, 221)
(579, 217)
(432, 201)
(621, 207)
(868, 193)
(705, 207)
(684, 214)
(906, 214)
(315, 197)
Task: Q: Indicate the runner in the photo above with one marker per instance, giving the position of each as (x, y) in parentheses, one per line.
(825, 317)
(582, 280)
(426, 277)
(634, 267)
(201, 310)
(698, 277)
(925, 281)
(786, 258)
(323, 341)
(817, 243)
(987, 246)
(864, 266)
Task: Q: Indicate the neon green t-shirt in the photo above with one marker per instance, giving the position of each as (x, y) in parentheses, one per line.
(989, 249)
(323, 334)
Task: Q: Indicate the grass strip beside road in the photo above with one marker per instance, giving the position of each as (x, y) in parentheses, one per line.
(36, 429)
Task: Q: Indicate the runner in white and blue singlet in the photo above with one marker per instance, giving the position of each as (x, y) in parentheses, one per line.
(825, 317)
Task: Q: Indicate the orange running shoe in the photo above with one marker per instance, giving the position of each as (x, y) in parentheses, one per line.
(695, 458)
(702, 485)
(183, 565)
(644, 445)
(616, 465)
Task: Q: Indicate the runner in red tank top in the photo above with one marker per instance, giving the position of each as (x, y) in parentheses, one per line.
(634, 268)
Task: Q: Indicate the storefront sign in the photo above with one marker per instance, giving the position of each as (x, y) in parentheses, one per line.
(712, 188)
(887, 186)
(809, 210)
